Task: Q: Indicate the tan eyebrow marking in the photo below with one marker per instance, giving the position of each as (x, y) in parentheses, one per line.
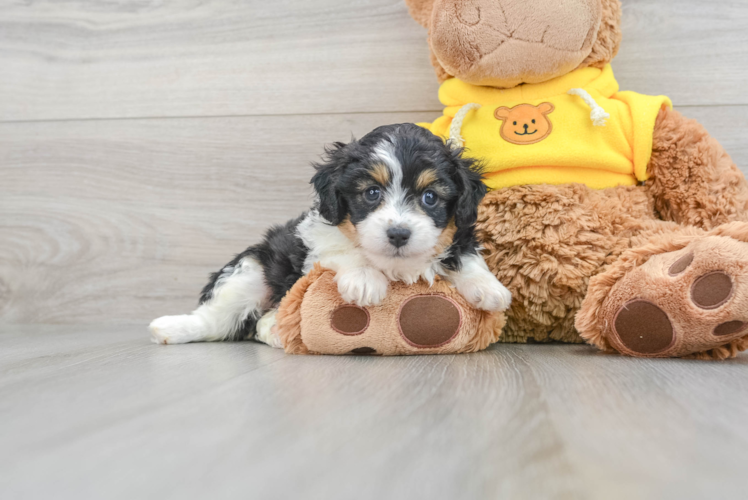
(381, 174)
(439, 189)
(425, 178)
(363, 185)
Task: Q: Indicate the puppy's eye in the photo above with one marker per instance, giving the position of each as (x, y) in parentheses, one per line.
(372, 194)
(429, 198)
(533, 120)
(515, 123)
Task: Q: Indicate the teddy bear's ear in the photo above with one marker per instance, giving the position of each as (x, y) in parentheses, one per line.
(502, 113)
(608, 40)
(546, 108)
(421, 10)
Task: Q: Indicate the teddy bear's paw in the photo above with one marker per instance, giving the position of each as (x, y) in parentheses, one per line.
(363, 286)
(681, 303)
(486, 293)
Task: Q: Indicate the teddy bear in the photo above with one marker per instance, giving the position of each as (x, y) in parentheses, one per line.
(612, 218)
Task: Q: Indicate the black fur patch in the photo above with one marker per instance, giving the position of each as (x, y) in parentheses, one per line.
(347, 167)
(338, 182)
(281, 255)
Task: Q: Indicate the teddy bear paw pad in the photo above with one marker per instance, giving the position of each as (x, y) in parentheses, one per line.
(711, 290)
(350, 320)
(429, 320)
(683, 302)
(644, 328)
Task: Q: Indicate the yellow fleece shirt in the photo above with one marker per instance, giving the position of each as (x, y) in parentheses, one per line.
(540, 134)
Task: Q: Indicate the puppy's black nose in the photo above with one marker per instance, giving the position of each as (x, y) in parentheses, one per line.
(526, 127)
(398, 236)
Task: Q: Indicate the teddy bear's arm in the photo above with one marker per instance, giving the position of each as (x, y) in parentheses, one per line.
(692, 180)
(439, 127)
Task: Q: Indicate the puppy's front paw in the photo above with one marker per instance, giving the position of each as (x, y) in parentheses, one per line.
(486, 293)
(363, 286)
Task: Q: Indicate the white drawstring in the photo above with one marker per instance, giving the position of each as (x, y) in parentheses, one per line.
(598, 114)
(455, 130)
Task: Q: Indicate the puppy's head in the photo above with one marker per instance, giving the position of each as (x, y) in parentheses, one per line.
(400, 192)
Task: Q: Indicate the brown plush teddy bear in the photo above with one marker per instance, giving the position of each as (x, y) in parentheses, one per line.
(612, 218)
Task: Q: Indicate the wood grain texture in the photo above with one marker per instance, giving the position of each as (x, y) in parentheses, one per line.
(121, 221)
(104, 414)
(89, 59)
(144, 142)
(149, 58)
(693, 51)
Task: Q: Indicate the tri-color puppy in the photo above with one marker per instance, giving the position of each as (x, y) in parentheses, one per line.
(399, 204)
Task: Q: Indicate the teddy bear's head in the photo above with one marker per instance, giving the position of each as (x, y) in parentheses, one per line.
(503, 43)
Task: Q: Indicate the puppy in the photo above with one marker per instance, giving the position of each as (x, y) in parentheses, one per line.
(399, 204)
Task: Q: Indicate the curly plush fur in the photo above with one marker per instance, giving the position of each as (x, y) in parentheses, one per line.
(545, 242)
(609, 36)
(693, 181)
(563, 250)
(548, 243)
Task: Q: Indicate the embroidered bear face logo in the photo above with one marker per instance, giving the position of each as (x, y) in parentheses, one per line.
(525, 123)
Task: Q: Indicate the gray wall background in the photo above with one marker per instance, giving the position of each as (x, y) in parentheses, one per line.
(144, 142)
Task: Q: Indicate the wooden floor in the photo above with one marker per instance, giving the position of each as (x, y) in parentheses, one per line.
(101, 413)
(143, 143)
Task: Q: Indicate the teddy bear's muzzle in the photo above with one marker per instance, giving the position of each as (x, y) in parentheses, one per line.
(503, 43)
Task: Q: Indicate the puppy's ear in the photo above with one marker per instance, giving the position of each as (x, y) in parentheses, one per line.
(468, 176)
(331, 204)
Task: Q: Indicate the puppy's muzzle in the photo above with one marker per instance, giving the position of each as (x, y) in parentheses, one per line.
(398, 236)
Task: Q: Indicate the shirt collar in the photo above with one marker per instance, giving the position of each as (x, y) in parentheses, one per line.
(455, 92)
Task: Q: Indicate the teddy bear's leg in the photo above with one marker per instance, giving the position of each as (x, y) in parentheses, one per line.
(684, 292)
(545, 242)
(692, 179)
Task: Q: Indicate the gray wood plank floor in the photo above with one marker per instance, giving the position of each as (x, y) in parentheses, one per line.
(144, 142)
(90, 413)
